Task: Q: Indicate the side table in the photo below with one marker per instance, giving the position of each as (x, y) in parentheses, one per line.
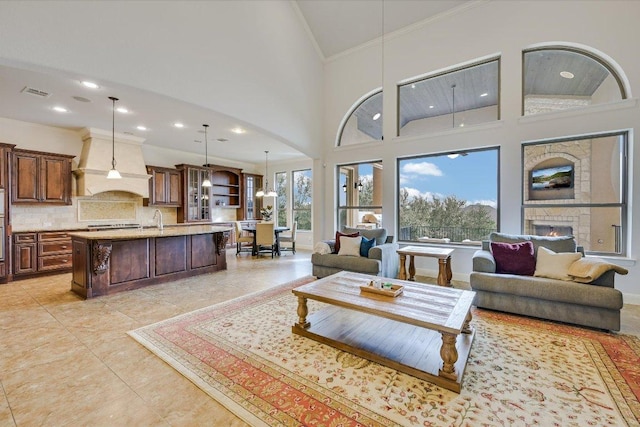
(444, 262)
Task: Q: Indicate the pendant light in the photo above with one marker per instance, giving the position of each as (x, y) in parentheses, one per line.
(206, 182)
(113, 173)
(265, 191)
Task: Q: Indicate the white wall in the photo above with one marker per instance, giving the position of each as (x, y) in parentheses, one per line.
(485, 29)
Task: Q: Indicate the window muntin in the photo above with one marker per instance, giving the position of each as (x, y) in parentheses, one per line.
(449, 198)
(360, 195)
(281, 189)
(593, 206)
(364, 123)
(453, 99)
(302, 198)
(556, 79)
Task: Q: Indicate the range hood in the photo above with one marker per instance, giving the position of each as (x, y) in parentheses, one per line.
(95, 163)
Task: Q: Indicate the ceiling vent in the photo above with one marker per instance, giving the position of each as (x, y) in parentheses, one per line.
(35, 92)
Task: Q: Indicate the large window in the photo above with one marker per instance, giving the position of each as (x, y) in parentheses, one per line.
(363, 122)
(577, 186)
(281, 189)
(561, 78)
(449, 198)
(360, 195)
(302, 198)
(457, 98)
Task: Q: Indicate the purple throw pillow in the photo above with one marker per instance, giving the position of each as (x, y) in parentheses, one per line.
(514, 258)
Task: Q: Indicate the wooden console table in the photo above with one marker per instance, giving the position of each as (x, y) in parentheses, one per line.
(444, 262)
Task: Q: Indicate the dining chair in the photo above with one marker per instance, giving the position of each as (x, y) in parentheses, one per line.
(265, 238)
(244, 242)
(288, 241)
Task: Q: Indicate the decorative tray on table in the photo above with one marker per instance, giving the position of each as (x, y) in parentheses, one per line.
(388, 289)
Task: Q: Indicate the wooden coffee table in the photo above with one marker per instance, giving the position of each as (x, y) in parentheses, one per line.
(444, 262)
(423, 332)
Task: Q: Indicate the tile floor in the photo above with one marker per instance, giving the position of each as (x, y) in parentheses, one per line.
(69, 362)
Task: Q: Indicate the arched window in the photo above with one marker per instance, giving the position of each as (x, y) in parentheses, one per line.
(560, 78)
(364, 123)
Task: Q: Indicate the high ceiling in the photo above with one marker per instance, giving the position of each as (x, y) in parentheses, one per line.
(336, 26)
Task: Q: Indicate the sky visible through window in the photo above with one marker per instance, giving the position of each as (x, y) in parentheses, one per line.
(471, 177)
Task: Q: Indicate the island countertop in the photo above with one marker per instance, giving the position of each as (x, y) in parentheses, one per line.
(136, 233)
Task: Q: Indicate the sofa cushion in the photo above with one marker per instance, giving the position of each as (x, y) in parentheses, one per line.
(350, 246)
(380, 234)
(545, 289)
(554, 265)
(514, 258)
(334, 263)
(365, 245)
(336, 247)
(556, 244)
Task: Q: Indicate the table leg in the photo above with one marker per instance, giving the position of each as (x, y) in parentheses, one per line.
(254, 251)
(402, 273)
(412, 268)
(466, 327)
(449, 356)
(277, 250)
(444, 272)
(302, 313)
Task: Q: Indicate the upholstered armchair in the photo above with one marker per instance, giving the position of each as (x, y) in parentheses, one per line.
(380, 260)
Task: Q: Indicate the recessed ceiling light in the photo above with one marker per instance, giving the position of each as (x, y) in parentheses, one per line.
(566, 74)
(482, 95)
(178, 125)
(90, 85)
(376, 116)
(60, 109)
(122, 110)
(81, 99)
(222, 140)
(238, 130)
(141, 127)
(431, 106)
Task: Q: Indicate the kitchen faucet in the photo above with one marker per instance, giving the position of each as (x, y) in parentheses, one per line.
(158, 215)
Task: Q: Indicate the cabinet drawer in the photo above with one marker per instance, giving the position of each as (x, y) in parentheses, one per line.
(54, 248)
(54, 235)
(56, 262)
(24, 238)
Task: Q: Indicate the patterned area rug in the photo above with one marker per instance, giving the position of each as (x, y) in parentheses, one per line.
(521, 371)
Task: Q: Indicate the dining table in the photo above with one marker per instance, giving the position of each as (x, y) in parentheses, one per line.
(276, 230)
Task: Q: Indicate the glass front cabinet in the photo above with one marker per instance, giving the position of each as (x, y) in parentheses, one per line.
(198, 200)
(250, 203)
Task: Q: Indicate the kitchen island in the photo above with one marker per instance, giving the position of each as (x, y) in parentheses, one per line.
(110, 261)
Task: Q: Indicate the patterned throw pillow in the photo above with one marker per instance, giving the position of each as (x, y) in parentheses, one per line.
(336, 248)
(514, 258)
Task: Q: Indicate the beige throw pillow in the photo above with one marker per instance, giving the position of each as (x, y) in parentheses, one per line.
(555, 265)
(350, 246)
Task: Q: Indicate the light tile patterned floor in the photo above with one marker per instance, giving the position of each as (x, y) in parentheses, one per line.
(69, 362)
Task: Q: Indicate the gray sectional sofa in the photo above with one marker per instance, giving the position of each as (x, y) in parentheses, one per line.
(382, 261)
(596, 304)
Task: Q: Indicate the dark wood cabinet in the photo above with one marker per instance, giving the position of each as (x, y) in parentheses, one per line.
(197, 200)
(250, 204)
(38, 177)
(25, 253)
(43, 252)
(164, 187)
(226, 186)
